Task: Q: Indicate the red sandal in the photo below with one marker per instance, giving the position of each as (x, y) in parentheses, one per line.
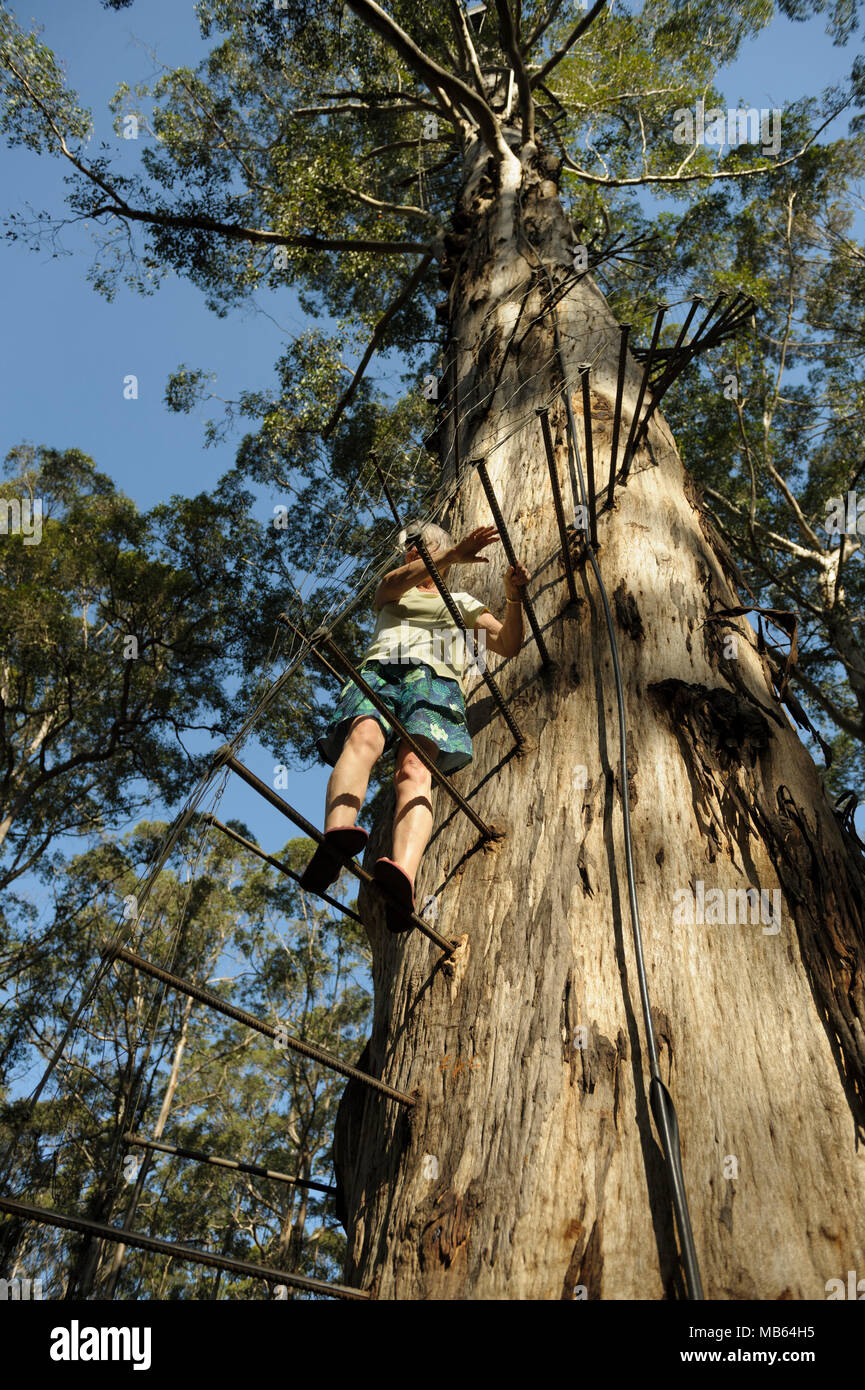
(324, 866)
(400, 894)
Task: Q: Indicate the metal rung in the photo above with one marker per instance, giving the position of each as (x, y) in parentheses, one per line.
(624, 331)
(590, 454)
(156, 1246)
(227, 757)
(676, 359)
(385, 489)
(234, 1164)
(512, 558)
(204, 996)
(277, 864)
(320, 638)
(544, 416)
(448, 600)
(630, 445)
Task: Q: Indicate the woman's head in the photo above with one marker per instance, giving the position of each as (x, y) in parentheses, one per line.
(435, 538)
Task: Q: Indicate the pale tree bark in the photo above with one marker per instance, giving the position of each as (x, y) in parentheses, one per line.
(119, 1252)
(530, 1167)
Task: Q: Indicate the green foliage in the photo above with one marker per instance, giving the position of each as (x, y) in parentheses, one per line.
(299, 146)
(120, 631)
(770, 422)
(37, 107)
(218, 916)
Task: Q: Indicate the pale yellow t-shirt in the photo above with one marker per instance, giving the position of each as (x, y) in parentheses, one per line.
(418, 628)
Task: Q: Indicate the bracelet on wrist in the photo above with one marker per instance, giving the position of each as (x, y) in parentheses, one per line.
(513, 600)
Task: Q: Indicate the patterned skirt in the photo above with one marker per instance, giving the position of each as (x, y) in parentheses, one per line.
(426, 704)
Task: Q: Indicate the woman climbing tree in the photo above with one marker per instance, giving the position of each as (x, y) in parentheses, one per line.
(417, 662)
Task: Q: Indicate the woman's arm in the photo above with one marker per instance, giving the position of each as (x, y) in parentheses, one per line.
(506, 638)
(399, 581)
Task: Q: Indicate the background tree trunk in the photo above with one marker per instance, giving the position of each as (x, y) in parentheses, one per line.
(530, 1167)
(118, 1253)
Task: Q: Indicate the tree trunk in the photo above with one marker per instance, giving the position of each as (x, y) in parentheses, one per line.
(530, 1167)
(86, 1261)
(119, 1252)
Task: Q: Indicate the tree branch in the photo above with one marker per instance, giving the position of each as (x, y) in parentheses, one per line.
(461, 29)
(220, 130)
(376, 98)
(433, 74)
(814, 557)
(120, 208)
(400, 209)
(410, 144)
(709, 177)
(378, 333)
(562, 52)
(258, 235)
(433, 169)
(341, 107)
(509, 43)
(854, 727)
(542, 26)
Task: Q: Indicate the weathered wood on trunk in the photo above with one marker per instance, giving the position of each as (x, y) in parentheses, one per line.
(530, 1168)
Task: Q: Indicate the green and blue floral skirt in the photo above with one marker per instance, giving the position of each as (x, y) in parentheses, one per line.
(426, 704)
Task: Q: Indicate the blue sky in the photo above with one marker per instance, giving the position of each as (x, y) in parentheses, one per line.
(63, 363)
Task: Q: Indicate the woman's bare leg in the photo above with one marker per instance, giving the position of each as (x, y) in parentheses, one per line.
(412, 822)
(349, 780)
